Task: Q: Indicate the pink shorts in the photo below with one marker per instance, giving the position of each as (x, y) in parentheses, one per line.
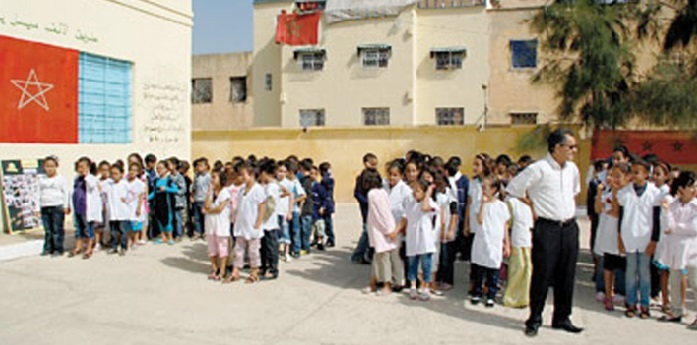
(218, 246)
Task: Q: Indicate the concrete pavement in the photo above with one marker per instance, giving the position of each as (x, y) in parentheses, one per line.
(160, 294)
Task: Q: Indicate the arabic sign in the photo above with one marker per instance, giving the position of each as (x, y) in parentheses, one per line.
(56, 28)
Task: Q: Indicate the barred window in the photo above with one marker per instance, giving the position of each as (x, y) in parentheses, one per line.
(375, 58)
(376, 116)
(524, 53)
(311, 117)
(202, 91)
(449, 60)
(238, 89)
(523, 118)
(311, 61)
(450, 116)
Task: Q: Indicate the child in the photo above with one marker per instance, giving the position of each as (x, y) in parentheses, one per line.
(325, 170)
(136, 204)
(162, 198)
(187, 214)
(598, 171)
(101, 229)
(141, 235)
(399, 194)
(87, 206)
(381, 223)
(199, 191)
(320, 204)
(54, 201)
(606, 243)
(660, 179)
(362, 254)
(284, 209)
(299, 197)
(179, 197)
(419, 222)
(217, 213)
(269, 243)
(639, 232)
(517, 292)
(442, 197)
(117, 193)
(481, 167)
(459, 185)
(490, 242)
(248, 222)
(680, 228)
(307, 207)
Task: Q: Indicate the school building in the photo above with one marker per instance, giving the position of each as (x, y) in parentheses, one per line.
(101, 78)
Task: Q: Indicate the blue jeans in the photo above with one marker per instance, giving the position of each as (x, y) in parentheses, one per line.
(329, 228)
(638, 279)
(620, 288)
(362, 247)
(118, 234)
(198, 218)
(295, 232)
(284, 225)
(306, 223)
(52, 218)
(425, 260)
(178, 223)
(83, 228)
(487, 276)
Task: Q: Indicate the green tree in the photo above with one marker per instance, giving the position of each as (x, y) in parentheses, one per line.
(587, 56)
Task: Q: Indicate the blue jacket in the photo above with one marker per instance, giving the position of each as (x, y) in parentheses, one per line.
(328, 184)
(463, 186)
(320, 199)
(362, 196)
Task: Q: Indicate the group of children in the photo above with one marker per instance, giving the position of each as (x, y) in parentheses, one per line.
(257, 207)
(644, 225)
(426, 212)
(644, 234)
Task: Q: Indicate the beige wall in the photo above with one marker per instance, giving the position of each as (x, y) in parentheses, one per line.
(222, 113)
(344, 86)
(511, 90)
(438, 28)
(266, 59)
(344, 148)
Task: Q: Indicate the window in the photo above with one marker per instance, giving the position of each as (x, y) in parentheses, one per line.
(376, 116)
(311, 117)
(104, 115)
(524, 54)
(523, 118)
(374, 57)
(449, 58)
(238, 89)
(269, 82)
(310, 59)
(310, 5)
(202, 91)
(450, 116)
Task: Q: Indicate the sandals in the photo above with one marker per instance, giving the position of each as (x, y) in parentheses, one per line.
(645, 313)
(670, 318)
(693, 325)
(74, 254)
(231, 278)
(87, 256)
(214, 276)
(630, 312)
(609, 306)
(251, 279)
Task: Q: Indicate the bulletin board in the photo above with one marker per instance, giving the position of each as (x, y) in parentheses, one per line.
(20, 194)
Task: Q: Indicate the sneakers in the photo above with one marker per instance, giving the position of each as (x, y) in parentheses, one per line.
(112, 251)
(475, 300)
(609, 306)
(600, 296)
(489, 303)
(425, 295)
(122, 252)
(158, 241)
(320, 247)
(618, 300)
(170, 242)
(141, 242)
(288, 258)
(413, 294)
(97, 247)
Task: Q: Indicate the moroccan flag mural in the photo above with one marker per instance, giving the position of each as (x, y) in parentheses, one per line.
(38, 93)
(674, 147)
(296, 29)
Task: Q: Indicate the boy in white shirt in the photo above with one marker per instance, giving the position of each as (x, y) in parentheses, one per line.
(639, 232)
(269, 243)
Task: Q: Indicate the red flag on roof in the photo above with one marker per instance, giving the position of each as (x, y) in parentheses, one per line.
(38, 93)
(298, 29)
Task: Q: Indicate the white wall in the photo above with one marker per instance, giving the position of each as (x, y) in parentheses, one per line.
(154, 35)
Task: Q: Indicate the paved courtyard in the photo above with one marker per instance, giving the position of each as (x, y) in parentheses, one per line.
(160, 295)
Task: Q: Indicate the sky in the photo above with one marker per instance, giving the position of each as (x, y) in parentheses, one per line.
(222, 26)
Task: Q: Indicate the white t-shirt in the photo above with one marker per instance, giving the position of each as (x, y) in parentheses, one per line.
(661, 247)
(282, 207)
(523, 222)
(136, 189)
(272, 190)
(94, 200)
(487, 248)
(637, 220)
(54, 191)
(248, 211)
(475, 196)
(400, 195)
(116, 193)
(218, 224)
(421, 233)
(606, 239)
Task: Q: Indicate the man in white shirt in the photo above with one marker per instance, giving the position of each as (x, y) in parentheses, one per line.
(552, 185)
